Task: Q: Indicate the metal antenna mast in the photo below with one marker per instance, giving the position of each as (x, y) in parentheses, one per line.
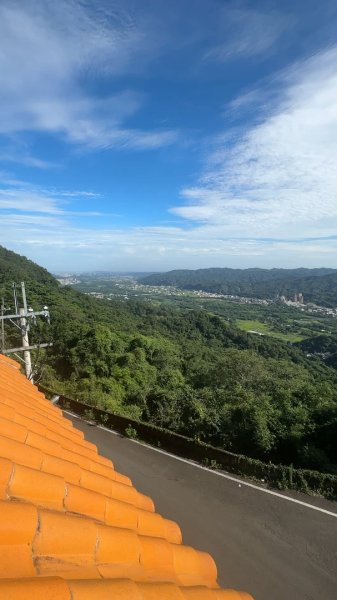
(22, 319)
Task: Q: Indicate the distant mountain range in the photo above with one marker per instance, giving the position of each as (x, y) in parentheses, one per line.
(316, 285)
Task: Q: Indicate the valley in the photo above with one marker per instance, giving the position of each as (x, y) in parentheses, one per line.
(288, 321)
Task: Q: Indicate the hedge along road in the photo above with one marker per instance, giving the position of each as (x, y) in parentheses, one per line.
(263, 543)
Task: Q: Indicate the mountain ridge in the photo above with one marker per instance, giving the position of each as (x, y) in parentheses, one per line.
(317, 285)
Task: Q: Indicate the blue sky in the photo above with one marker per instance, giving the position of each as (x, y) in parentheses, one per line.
(152, 135)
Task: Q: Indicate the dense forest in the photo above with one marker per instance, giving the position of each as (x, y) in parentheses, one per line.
(182, 369)
(324, 345)
(317, 285)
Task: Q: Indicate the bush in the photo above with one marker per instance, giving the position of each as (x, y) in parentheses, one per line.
(89, 414)
(277, 476)
(131, 432)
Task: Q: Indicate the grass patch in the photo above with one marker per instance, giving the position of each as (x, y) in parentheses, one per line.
(264, 329)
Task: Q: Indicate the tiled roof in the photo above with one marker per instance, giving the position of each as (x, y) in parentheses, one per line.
(73, 528)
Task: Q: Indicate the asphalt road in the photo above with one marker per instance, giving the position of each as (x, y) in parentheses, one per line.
(269, 546)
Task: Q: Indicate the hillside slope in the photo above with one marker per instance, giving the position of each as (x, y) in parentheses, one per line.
(184, 370)
(14, 267)
(317, 285)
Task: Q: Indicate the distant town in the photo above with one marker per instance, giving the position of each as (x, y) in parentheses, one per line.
(126, 286)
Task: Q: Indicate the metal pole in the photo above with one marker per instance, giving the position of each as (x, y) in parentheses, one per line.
(24, 316)
(15, 298)
(25, 344)
(2, 325)
(24, 299)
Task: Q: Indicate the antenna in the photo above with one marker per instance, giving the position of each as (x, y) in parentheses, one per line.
(21, 319)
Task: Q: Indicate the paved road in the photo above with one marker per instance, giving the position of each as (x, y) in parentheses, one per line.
(271, 547)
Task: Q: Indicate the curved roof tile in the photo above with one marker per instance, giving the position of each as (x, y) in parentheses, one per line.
(73, 528)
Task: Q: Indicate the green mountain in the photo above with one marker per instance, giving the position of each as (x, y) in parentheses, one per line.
(317, 285)
(14, 267)
(182, 369)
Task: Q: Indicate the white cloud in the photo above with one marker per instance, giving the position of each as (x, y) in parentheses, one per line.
(51, 51)
(279, 178)
(26, 160)
(23, 197)
(248, 33)
(20, 222)
(24, 200)
(57, 244)
(268, 196)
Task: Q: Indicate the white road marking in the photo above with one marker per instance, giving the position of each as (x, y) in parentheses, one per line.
(230, 477)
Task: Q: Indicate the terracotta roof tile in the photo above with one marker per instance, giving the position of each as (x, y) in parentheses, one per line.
(71, 527)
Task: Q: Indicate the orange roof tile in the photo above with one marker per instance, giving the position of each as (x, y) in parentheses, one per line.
(73, 528)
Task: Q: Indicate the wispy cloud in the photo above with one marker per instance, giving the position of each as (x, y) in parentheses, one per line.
(53, 51)
(26, 160)
(40, 223)
(52, 240)
(268, 190)
(247, 32)
(26, 198)
(279, 178)
(268, 196)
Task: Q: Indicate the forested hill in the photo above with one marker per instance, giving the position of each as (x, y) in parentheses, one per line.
(184, 370)
(14, 267)
(317, 285)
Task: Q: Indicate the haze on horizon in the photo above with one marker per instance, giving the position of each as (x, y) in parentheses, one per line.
(150, 136)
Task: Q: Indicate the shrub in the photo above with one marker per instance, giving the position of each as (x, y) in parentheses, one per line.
(131, 432)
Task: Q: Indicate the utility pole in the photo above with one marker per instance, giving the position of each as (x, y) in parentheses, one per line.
(25, 344)
(21, 319)
(24, 334)
(2, 324)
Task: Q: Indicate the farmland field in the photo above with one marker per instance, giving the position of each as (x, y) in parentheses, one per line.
(264, 329)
